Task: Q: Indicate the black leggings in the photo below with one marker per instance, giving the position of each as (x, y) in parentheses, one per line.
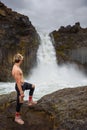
(25, 86)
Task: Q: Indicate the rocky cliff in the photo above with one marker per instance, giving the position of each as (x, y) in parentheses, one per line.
(71, 44)
(17, 34)
(65, 109)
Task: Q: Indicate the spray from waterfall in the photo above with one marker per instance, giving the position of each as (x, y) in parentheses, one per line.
(48, 76)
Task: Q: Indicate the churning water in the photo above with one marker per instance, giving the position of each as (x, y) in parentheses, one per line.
(48, 76)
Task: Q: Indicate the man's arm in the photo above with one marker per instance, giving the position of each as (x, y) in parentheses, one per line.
(18, 81)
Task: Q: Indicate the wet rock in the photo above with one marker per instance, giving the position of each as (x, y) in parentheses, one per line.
(17, 34)
(65, 109)
(70, 43)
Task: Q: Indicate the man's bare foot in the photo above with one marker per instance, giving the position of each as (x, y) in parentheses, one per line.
(19, 120)
(30, 103)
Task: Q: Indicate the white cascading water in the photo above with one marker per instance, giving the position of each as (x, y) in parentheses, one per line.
(47, 75)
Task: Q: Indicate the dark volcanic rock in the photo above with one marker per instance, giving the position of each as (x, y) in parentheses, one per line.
(17, 34)
(65, 109)
(71, 44)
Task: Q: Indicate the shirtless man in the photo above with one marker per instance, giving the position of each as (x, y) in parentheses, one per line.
(21, 86)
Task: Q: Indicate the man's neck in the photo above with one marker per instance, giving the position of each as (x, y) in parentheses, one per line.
(17, 64)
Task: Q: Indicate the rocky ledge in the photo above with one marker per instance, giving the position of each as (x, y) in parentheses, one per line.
(17, 34)
(65, 109)
(70, 43)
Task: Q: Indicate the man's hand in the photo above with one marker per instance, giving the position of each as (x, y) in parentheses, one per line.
(21, 97)
(22, 94)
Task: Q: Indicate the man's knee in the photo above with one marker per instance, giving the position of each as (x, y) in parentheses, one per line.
(33, 86)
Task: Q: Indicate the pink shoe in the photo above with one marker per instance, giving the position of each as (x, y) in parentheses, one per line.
(19, 120)
(32, 103)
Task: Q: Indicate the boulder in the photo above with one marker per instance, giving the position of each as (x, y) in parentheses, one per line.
(65, 109)
(17, 34)
(70, 43)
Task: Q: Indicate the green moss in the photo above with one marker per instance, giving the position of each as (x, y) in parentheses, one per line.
(22, 47)
(2, 12)
(56, 35)
(4, 106)
(61, 53)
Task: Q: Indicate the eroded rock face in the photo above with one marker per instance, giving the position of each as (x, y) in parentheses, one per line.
(65, 109)
(71, 44)
(17, 34)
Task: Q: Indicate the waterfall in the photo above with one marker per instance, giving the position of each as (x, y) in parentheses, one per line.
(45, 72)
(48, 76)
